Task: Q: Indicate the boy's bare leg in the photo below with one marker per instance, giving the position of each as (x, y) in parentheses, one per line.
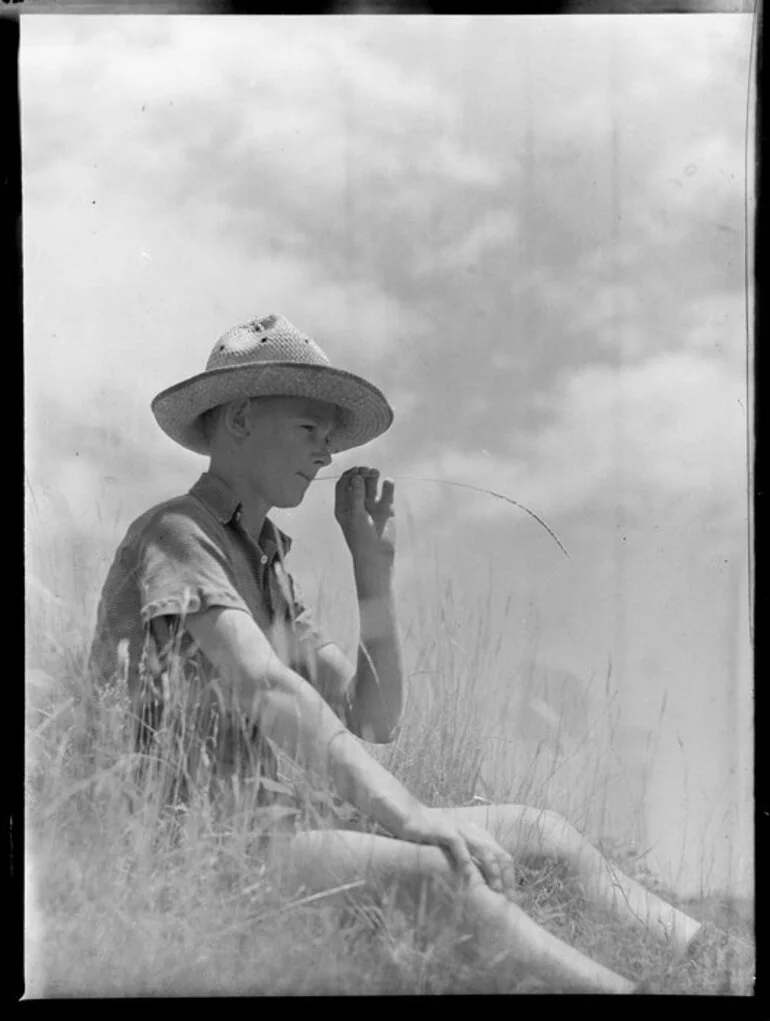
(534, 833)
(324, 859)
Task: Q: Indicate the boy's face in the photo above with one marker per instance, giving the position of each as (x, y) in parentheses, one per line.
(286, 446)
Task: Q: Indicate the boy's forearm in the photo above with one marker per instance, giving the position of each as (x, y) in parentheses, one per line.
(377, 695)
(293, 715)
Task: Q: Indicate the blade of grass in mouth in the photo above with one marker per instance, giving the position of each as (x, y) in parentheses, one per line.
(476, 489)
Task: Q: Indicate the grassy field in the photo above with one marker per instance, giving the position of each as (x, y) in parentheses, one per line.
(124, 900)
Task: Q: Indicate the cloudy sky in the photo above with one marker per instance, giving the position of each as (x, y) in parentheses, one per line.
(529, 232)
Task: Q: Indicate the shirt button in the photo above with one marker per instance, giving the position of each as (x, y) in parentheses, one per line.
(263, 560)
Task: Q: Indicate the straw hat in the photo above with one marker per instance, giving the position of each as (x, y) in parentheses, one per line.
(268, 357)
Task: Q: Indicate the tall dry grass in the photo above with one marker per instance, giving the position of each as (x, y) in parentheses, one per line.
(126, 898)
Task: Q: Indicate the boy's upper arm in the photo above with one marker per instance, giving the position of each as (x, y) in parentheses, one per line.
(234, 643)
(239, 649)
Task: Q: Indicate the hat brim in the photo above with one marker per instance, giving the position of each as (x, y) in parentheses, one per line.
(364, 413)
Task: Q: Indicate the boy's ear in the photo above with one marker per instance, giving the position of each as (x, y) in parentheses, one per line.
(237, 418)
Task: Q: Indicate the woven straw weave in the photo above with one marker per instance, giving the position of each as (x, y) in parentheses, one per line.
(268, 356)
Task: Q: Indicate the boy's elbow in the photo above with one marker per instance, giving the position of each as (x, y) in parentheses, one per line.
(384, 737)
(375, 732)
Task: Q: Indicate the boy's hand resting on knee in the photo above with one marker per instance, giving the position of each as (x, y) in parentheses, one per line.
(471, 849)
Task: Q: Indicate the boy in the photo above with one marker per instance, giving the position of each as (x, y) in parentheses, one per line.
(207, 628)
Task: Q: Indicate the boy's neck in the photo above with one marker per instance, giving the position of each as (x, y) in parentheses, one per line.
(254, 509)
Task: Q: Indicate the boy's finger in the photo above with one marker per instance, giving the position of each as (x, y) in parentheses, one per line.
(370, 481)
(509, 879)
(460, 856)
(358, 490)
(491, 872)
(345, 480)
(388, 489)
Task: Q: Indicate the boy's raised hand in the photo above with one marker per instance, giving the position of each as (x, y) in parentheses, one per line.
(367, 522)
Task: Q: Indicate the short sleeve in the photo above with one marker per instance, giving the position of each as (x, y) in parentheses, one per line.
(183, 568)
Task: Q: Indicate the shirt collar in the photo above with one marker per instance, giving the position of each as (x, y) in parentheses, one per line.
(217, 497)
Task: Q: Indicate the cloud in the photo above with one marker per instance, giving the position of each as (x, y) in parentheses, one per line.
(670, 429)
(674, 424)
(118, 115)
(181, 176)
(298, 99)
(492, 232)
(715, 325)
(141, 287)
(699, 181)
(196, 179)
(359, 319)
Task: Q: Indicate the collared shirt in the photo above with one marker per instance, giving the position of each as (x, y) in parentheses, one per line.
(185, 556)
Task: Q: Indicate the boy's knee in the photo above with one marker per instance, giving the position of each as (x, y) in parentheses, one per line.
(557, 828)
